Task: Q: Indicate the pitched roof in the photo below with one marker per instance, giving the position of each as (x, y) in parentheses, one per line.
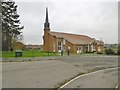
(73, 38)
(99, 42)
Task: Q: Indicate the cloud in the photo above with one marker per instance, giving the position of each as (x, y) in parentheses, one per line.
(95, 19)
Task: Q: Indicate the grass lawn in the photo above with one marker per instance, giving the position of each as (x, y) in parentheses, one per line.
(9, 54)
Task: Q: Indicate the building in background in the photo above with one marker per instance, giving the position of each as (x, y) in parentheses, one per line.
(19, 46)
(58, 41)
(34, 47)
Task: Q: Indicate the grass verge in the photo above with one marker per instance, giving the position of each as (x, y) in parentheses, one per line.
(57, 86)
(9, 54)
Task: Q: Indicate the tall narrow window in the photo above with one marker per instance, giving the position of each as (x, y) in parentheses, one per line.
(59, 43)
(59, 47)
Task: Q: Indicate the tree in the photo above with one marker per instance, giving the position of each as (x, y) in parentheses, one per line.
(11, 28)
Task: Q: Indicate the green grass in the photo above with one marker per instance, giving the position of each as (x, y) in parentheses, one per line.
(9, 54)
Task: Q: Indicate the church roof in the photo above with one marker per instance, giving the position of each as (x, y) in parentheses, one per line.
(73, 38)
(99, 42)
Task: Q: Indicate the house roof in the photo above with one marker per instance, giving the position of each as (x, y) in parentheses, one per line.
(73, 38)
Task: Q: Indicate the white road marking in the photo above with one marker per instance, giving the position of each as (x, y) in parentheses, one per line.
(84, 75)
(117, 86)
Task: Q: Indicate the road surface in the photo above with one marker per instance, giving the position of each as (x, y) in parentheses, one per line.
(100, 79)
(52, 73)
(39, 74)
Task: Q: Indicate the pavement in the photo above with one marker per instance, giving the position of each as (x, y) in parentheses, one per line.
(52, 72)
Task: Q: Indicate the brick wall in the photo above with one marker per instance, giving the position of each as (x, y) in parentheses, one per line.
(72, 47)
(50, 43)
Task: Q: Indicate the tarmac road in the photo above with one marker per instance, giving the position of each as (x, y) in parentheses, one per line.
(38, 74)
(51, 73)
(100, 79)
(91, 63)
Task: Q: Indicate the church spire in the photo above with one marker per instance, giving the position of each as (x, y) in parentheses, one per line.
(46, 24)
(46, 21)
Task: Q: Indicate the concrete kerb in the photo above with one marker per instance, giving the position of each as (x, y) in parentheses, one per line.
(81, 75)
(18, 59)
(58, 85)
(117, 86)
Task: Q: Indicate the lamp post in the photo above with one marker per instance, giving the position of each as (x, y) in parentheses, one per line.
(61, 48)
(61, 52)
(69, 50)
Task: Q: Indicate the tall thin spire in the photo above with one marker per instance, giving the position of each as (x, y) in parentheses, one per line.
(46, 21)
(46, 24)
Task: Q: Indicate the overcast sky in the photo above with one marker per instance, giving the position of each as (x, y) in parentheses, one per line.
(97, 19)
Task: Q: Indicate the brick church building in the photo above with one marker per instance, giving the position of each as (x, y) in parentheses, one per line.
(57, 41)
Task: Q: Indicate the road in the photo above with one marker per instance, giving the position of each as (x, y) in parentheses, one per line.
(52, 73)
(91, 63)
(99, 79)
(39, 74)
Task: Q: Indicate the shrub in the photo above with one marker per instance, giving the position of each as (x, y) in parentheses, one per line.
(109, 51)
(99, 52)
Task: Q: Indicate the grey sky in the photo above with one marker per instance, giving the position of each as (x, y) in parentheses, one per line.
(95, 19)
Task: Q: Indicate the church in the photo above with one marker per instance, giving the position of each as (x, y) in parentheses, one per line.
(62, 42)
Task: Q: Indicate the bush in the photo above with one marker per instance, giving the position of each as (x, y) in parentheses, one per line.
(89, 52)
(109, 51)
(99, 52)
